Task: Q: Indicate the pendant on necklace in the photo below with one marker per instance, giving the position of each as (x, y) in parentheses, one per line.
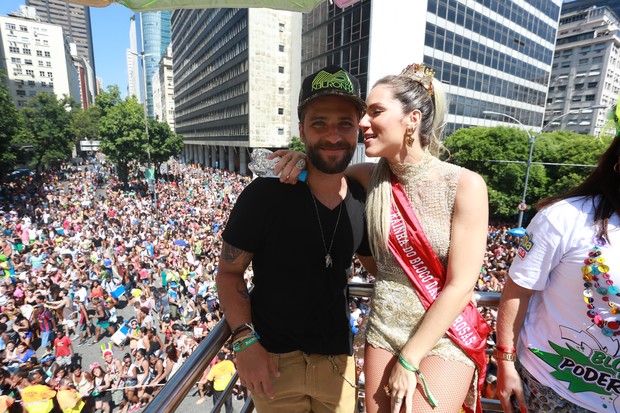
(328, 261)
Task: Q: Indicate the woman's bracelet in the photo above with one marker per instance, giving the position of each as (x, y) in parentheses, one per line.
(410, 367)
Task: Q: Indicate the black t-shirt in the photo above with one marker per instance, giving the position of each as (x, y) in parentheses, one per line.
(298, 303)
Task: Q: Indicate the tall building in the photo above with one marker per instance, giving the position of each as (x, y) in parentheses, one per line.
(75, 21)
(570, 6)
(133, 67)
(236, 82)
(155, 35)
(586, 70)
(163, 90)
(36, 57)
(491, 55)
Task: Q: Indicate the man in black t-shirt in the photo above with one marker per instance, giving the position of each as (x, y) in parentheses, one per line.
(300, 240)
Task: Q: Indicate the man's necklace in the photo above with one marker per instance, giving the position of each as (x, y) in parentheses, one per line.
(328, 256)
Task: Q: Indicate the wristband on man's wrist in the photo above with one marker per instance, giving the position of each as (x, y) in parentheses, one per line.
(501, 355)
(506, 349)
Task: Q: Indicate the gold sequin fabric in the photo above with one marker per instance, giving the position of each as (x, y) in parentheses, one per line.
(397, 311)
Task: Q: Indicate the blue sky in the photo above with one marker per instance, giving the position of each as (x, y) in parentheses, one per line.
(110, 27)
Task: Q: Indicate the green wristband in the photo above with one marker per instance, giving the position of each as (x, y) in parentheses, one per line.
(410, 367)
(245, 343)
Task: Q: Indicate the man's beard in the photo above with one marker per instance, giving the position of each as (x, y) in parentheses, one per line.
(330, 166)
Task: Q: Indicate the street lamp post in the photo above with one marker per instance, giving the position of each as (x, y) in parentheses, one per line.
(532, 139)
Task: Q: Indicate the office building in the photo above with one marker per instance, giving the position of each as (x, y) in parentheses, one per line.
(586, 70)
(163, 90)
(75, 22)
(236, 82)
(36, 57)
(155, 36)
(570, 6)
(133, 67)
(491, 55)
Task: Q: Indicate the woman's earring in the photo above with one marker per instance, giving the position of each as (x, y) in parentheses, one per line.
(617, 168)
(410, 139)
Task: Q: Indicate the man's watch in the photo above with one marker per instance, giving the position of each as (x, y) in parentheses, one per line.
(500, 355)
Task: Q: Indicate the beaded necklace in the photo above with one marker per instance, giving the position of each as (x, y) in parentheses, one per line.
(596, 275)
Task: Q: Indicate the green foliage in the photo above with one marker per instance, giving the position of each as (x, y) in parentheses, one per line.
(164, 142)
(480, 148)
(86, 124)
(297, 145)
(10, 124)
(48, 128)
(122, 133)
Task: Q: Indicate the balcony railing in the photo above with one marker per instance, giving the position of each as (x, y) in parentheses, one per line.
(179, 385)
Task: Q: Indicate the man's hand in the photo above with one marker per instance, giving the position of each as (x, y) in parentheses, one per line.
(255, 368)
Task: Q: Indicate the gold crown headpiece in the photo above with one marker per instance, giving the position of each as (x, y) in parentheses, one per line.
(421, 74)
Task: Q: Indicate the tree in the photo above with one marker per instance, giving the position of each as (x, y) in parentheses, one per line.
(10, 126)
(297, 145)
(86, 124)
(122, 132)
(48, 128)
(164, 143)
(482, 149)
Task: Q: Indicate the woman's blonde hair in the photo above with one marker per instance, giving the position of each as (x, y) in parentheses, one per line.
(411, 95)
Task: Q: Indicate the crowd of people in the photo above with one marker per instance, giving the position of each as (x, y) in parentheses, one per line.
(76, 254)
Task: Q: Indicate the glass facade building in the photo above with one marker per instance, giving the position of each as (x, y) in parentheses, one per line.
(492, 55)
(155, 35)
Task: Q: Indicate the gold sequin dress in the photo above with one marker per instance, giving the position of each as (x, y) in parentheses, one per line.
(396, 310)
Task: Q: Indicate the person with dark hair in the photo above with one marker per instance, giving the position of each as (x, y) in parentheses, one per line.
(558, 322)
(300, 240)
(221, 374)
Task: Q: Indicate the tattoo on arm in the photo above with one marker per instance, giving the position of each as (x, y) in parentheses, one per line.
(230, 254)
(242, 289)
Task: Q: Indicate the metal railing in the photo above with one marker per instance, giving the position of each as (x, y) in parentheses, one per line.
(179, 385)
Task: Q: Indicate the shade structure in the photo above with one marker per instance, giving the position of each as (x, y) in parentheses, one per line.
(153, 5)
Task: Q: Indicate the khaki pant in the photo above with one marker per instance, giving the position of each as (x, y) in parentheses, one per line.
(311, 383)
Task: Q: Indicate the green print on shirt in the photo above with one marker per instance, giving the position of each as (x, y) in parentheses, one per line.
(338, 80)
(598, 373)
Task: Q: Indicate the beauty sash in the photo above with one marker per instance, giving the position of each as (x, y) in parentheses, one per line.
(411, 248)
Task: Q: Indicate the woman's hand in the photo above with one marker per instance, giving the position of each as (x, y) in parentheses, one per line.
(290, 165)
(402, 386)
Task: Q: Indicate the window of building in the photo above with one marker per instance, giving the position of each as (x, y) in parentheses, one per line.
(584, 61)
(561, 88)
(39, 53)
(280, 111)
(16, 60)
(31, 83)
(549, 100)
(48, 64)
(21, 103)
(576, 98)
(565, 64)
(280, 69)
(281, 25)
(27, 51)
(40, 62)
(281, 47)
(41, 73)
(13, 49)
(47, 54)
(32, 92)
(10, 26)
(28, 62)
(21, 93)
(280, 131)
(30, 72)
(592, 85)
(585, 49)
(281, 90)
(23, 28)
(50, 74)
(44, 84)
(590, 98)
(597, 59)
(578, 86)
